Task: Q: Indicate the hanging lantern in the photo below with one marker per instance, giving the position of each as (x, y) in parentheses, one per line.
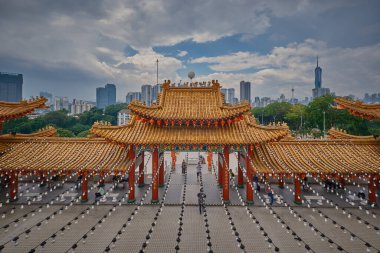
(166, 122)
(216, 123)
(159, 122)
(173, 122)
(151, 121)
(222, 122)
(229, 121)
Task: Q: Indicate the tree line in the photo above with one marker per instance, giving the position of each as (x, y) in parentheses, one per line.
(313, 118)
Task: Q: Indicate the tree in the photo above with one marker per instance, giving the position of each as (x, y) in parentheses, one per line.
(65, 133)
(83, 134)
(277, 111)
(78, 127)
(295, 117)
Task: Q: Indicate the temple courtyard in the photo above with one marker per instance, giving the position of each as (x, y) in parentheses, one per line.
(57, 221)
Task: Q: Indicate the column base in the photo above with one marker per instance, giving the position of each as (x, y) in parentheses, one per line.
(297, 202)
(141, 185)
(154, 201)
(161, 185)
(240, 186)
(372, 203)
(249, 202)
(131, 200)
(227, 202)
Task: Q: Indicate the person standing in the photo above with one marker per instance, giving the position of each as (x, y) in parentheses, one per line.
(201, 200)
(270, 194)
(199, 170)
(183, 166)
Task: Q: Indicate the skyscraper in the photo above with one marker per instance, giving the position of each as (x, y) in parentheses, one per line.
(224, 91)
(105, 96)
(10, 87)
(132, 96)
(146, 94)
(318, 91)
(230, 95)
(245, 91)
(318, 76)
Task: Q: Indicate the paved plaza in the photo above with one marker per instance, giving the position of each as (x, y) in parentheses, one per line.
(56, 222)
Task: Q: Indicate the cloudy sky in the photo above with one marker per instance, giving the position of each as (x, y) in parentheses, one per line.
(71, 47)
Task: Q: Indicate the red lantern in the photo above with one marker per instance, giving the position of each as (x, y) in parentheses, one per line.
(166, 122)
(216, 123)
(173, 122)
(151, 121)
(159, 122)
(187, 122)
(229, 121)
(194, 122)
(223, 122)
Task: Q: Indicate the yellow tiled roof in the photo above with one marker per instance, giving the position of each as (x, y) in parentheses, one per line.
(48, 131)
(335, 133)
(318, 156)
(367, 111)
(190, 103)
(63, 154)
(245, 131)
(9, 110)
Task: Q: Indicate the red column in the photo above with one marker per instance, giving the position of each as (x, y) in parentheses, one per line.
(250, 171)
(131, 175)
(297, 190)
(240, 172)
(13, 185)
(174, 159)
(155, 176)
(280, 181)
(84, 186)
(101, 178)
(220, 170)
(141, 171)
(209, 161)
(162, 171)
(372, 187)
(226, 175)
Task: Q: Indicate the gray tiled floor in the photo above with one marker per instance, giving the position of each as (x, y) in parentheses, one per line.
(193, 238)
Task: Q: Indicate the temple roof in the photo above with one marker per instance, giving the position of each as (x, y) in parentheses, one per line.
(193, 102)
(244, 131)
(367, 111)
(318, 156)
(335, 133)
(9, 110)
(48, 131)
(62, 154)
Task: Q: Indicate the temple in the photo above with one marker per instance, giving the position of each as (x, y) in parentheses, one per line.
(192, 117)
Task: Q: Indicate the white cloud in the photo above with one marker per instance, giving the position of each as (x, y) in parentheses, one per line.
(182, 53)
(345, 70)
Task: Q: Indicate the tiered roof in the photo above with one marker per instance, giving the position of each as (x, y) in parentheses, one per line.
(188, 103)
(318, 156)
(63, 154)
(10, 110)
(335, 133)
(367, 111)
(190, 115)
(48, 131)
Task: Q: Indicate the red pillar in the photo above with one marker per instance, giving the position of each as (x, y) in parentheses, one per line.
(372, 187)
(250, 171)
(131, 175)
(101, 178)
(220, 170)
(162, 171)
(174, 159)
(209, 161)
(280, 181)
(141, 171)
(13, 185)
(155, 176)
(84, 186)
(226, 175)
(240, 173)
(297, 190)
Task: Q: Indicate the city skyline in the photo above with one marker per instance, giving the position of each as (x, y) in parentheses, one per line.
(266, 45)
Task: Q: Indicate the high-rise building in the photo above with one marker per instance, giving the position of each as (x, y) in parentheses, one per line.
(61, 103)
(156, 89)
(245, 91)
(230, 95)
(10, 87)
(318, 91)
(105, 96)
(123, 117)
(224, 91)
(257, 102)
(80, 106)
(132, 96)
(146, 94)
(318, 76)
